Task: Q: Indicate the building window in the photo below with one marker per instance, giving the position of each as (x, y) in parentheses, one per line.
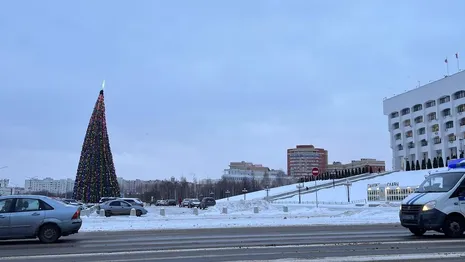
(462, 122)
(411, 145)
(431, 116)
(446, 112)
(395, 125)
(419, 119)
(405, 111)
(422, 131)
(417, 107)
(449, 124)
(400, 147)
(407, 122)
(452, 138)
(424, 142)
(435, 128)
(437, 140)
(444, 99)
(394, 114)
(409, 133)
(398, 136)
(459, 94)
(461, 108)
(430, 103)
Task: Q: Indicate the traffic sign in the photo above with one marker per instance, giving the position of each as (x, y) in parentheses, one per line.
(315, 171)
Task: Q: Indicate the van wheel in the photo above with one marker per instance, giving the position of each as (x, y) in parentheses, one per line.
(49, 233)
(417, 231)
(454, 226)
(138, 213)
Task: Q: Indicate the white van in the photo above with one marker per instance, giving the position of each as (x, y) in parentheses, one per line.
(438, 203)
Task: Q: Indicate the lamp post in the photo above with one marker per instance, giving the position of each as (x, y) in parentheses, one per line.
(227, 194)
(333, 175)
(348, 184)
(245, 192)
(461, 148)
(299, 187)
(267, 193)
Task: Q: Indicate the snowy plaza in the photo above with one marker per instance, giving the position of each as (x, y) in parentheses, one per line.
(242, 213)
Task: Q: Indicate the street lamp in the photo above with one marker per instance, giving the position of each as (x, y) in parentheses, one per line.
(461, 148)
(267, 193)
(299, 186)
(245, 192)
(333, 175)
(227, 194)
(348, 184)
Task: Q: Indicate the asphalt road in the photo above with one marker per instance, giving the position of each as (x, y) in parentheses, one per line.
(311, 243)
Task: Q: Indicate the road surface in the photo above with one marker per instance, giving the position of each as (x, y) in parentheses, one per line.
(312, 243)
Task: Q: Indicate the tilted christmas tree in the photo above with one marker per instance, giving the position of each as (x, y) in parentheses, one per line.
(96, 175)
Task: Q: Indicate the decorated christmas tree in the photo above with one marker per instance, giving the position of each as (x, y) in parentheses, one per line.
(96, 175)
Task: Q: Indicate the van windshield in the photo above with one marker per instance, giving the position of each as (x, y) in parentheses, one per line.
(440, 182)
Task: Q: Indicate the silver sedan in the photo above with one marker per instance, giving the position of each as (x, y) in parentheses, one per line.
(31, 216)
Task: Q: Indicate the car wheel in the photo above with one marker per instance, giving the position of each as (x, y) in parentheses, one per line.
(138, 213)
(417, 231)
(454, 226)
(108, 213)
(49, 233)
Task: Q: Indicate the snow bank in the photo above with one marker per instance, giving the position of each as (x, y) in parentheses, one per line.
(240, 214)
(358, 190)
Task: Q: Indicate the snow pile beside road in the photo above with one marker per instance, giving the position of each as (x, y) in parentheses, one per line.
(244, 207)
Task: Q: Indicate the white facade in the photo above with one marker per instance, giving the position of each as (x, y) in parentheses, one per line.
(237, 171)
(428, 121)
(60, 186)
(4, 182)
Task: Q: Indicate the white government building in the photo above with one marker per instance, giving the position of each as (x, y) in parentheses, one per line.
(428, 121)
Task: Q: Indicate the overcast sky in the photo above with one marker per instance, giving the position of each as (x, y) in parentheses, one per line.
(193, 85)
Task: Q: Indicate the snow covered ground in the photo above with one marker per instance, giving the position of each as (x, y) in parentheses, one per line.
(241, 213)
(273, 191)
(358, 190)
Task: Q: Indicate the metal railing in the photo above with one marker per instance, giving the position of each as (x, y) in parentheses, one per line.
(360, 201)
(337, 182)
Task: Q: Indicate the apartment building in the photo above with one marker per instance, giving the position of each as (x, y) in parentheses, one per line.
(303, 158)
(427, 122)
(54, 186)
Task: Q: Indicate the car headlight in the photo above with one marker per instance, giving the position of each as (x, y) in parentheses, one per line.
(430, 205)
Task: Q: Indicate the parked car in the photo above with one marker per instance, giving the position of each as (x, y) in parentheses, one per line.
(133, 201)
(194, 203)
(120, 207)
(33, 216)
(73, 202)
(105, 199)
(207, 202)
(185, 202)
(171, 202)
(161, 203)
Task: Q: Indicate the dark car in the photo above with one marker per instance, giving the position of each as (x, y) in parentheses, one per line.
(172, 202)
(207, 202)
